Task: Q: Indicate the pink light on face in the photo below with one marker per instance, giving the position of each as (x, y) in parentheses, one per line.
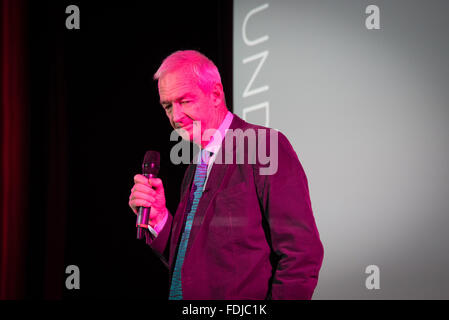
(191, 93)
(186, 105)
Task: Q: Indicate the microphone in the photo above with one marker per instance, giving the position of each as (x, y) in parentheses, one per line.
(150, 169)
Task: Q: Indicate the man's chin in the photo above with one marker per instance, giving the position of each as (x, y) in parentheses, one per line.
(186, 134)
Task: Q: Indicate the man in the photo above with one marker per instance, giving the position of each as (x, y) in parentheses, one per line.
(238, 233)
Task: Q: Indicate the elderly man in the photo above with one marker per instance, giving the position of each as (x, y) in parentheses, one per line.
(238, 233)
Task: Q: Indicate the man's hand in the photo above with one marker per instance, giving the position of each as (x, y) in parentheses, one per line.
(149, 192)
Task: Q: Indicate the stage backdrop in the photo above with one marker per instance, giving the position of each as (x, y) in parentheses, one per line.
(362, 92)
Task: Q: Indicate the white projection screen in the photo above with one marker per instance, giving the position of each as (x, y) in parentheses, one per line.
(360, 88)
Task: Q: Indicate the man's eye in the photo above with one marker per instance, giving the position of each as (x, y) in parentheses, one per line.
(185, 101)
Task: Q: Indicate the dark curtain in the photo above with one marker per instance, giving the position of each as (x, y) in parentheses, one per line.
(14, 144)
(79, 110)
(34, 153)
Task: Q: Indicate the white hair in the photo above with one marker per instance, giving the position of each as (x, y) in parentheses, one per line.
(201, 67)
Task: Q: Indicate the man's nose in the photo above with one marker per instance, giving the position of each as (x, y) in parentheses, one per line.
(177, 112)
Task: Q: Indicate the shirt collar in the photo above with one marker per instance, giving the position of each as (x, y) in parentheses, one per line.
(216, 140)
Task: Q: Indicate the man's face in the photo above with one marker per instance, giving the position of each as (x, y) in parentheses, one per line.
(184, 102)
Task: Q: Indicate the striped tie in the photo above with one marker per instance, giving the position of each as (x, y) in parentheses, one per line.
(192, 205)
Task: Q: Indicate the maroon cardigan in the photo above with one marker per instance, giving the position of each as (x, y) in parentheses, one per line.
(253, 236)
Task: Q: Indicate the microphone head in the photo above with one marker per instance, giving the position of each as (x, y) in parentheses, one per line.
(151, 163)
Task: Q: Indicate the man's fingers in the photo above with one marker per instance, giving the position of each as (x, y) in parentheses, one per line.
(146, 192)
(134, 203)
(139, 178)
(153, 183)
(156, 183)
(143, 196)
(143, 188)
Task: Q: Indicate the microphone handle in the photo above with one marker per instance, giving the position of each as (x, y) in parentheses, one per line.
(143, 215)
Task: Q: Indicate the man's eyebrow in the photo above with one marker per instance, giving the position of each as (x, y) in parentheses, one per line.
(186, 95)
(189, 95)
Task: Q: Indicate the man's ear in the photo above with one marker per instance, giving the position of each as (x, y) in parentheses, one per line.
(217, 94)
